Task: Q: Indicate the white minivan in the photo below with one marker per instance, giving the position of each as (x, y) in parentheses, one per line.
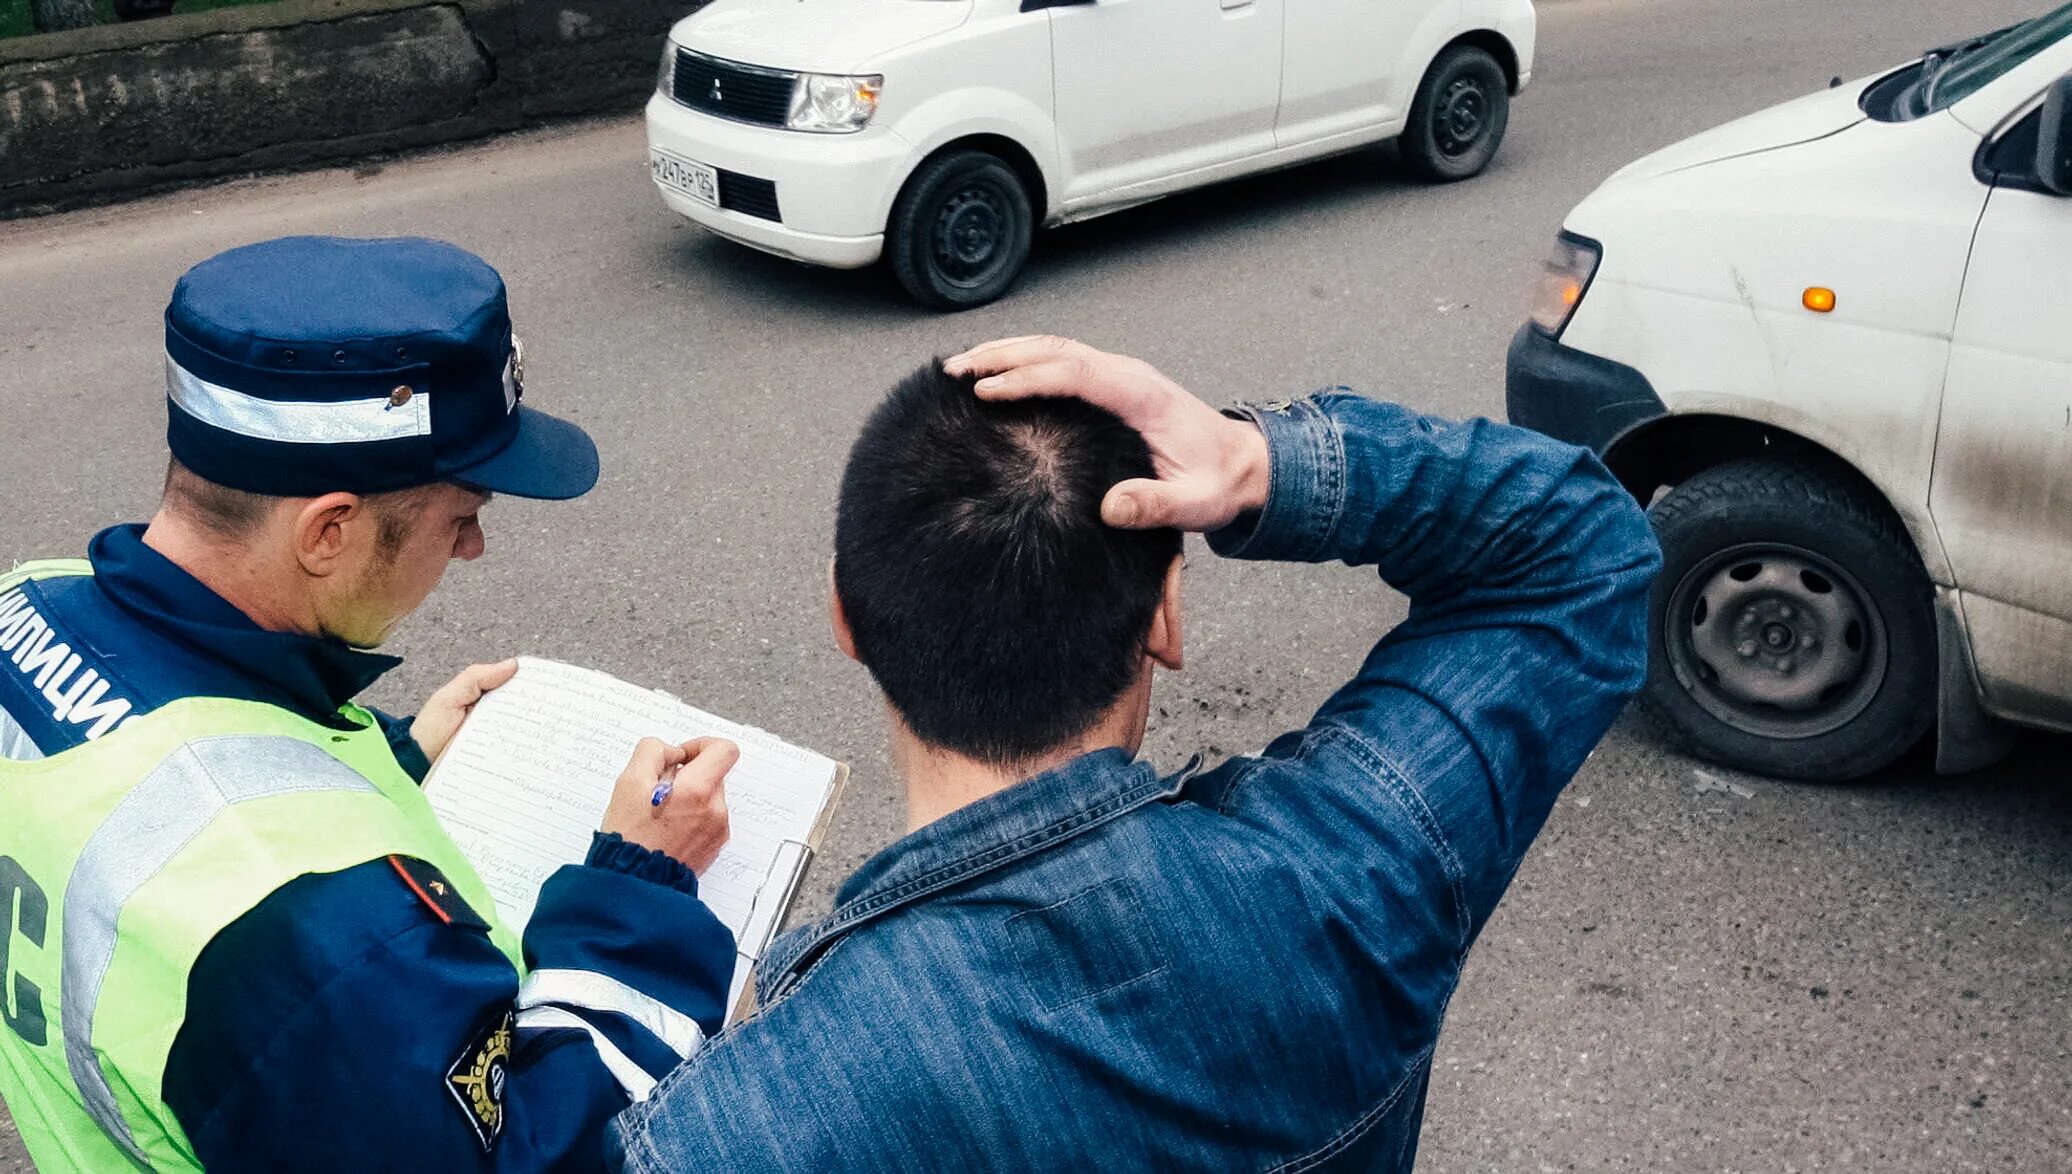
(939, 133)
(1832, 344)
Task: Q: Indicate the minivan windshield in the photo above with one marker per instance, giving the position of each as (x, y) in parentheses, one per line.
(1954, 73)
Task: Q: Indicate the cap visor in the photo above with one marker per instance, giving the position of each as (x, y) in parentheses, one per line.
(549, 458)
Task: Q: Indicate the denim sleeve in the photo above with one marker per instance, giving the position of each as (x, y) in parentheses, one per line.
(340, 1025)
(1527, 567)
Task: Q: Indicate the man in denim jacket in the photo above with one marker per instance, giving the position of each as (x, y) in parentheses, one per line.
(1071, 962)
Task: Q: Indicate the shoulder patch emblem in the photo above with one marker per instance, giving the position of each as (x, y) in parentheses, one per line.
(476, 1081)
(436, 892)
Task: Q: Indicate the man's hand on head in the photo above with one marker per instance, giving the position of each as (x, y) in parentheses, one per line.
(443, 712)
(1211, 468)
(688, 820)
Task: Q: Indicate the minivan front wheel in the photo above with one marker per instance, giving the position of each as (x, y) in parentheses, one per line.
(960, 230)
(1458, 116)
(1793, 630)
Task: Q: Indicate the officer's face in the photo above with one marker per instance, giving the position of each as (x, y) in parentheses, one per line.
(426, 530)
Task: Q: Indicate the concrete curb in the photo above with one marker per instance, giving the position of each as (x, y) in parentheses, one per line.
(102, 112)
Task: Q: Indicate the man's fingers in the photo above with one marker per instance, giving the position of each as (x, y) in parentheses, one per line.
(988, 358)
(493, 676)
(706, 763)
(1140, 504)
(652, 756)
(1070, 375)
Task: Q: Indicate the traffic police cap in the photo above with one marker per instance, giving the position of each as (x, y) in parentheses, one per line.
(308, 365)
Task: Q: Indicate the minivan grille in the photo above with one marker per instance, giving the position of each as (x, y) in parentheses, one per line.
(744, 93)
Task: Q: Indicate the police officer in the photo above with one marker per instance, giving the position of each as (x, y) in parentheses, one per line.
(232, 936)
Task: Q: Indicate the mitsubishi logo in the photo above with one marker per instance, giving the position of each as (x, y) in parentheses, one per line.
(716, 95)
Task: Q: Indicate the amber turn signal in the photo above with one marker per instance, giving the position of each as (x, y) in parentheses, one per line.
(1819, 299)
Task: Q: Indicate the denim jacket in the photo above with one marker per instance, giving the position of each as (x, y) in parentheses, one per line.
(1243, 968)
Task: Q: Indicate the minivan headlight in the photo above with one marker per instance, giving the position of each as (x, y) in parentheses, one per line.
(833, 103)
(665, 80)
(1562, 281)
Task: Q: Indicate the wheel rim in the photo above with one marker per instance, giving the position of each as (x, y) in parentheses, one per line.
(1460, 117)
(1775, 640)
(971, 233)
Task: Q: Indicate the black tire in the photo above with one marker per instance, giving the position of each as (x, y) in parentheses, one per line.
(1458, 117)
(1792, 630)
(960, 230)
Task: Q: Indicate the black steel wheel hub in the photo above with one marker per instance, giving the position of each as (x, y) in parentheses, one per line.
(1775, 640)
(1460, 116)
(969, 231)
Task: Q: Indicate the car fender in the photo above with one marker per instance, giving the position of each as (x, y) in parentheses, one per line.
(987, 112)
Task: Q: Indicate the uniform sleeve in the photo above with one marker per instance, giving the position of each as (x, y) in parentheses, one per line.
(346, 1024)
(1527, 566)
(409, 755)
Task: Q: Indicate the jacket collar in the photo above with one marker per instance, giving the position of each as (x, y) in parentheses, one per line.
(1023, 819)
(312, 676)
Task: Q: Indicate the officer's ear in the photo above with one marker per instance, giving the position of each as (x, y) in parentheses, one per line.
(331, 531)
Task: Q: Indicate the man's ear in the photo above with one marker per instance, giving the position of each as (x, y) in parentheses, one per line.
(1163, 644)
(325, 529)
(844, 638)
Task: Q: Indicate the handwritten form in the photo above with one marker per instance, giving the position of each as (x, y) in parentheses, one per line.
(525, 782)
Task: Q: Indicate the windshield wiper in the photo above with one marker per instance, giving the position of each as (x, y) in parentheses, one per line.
(1937, 61)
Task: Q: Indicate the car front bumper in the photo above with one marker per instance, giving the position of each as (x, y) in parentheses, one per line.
(1573, 395)
(832, 193)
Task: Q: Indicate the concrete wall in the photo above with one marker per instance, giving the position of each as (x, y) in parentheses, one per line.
(98, 112)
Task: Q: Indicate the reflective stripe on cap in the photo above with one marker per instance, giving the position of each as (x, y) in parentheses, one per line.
(296, 421)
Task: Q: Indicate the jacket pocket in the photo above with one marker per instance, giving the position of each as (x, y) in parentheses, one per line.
(1086, 945)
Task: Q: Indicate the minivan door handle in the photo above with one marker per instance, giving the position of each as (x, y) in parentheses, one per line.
(1230, 4)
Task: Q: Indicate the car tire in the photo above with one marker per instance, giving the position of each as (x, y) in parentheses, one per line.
(960, 230)
(1792, 630)
(1458, 117)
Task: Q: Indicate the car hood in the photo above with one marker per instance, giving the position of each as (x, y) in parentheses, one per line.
(1798, 121)
(824, 36)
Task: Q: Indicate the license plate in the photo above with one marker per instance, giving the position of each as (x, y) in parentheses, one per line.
(699, 181)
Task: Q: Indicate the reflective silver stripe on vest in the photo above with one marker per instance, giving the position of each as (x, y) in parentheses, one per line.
(145, 832)
(298, 421)
(15, 743)
(591, 990)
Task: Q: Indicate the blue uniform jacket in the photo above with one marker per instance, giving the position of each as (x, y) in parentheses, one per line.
(1242, 968)
(324, 1028)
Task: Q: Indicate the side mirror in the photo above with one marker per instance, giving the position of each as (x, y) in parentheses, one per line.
(2054, 138)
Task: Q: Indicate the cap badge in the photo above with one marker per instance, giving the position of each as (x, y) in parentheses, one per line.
(514, 375)
(400, 396)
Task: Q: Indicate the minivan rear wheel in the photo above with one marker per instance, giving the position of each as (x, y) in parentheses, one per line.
(1458, 116)
(960, 230)
(1793, 631)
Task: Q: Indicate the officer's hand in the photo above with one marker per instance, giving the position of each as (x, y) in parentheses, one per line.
(444, 711)
(689, 824)
(1211, 468)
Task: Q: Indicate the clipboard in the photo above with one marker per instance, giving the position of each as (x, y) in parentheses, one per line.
(788, 872)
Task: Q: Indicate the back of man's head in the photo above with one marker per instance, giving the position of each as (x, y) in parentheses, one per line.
(998, 613)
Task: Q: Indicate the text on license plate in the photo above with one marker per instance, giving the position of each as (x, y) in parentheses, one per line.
(699, 181)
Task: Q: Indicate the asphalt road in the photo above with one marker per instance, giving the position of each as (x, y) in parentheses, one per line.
(1873, 977)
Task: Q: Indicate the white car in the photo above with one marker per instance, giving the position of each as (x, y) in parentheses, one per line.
(1832, 344)
(940, 133)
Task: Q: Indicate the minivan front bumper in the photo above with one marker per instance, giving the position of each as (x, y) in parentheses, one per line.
(1572, 395)
(831, 193)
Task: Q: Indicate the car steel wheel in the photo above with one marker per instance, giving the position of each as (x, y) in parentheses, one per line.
(1460, 117)
(968, 232)
(1775, 640)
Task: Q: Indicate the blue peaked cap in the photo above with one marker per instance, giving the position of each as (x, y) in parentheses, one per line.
(308, 365)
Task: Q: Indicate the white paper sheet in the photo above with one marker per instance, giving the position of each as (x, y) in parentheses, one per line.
(525, 782)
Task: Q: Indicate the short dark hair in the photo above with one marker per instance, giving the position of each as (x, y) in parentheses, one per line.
(235, 514)
(996, 610)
